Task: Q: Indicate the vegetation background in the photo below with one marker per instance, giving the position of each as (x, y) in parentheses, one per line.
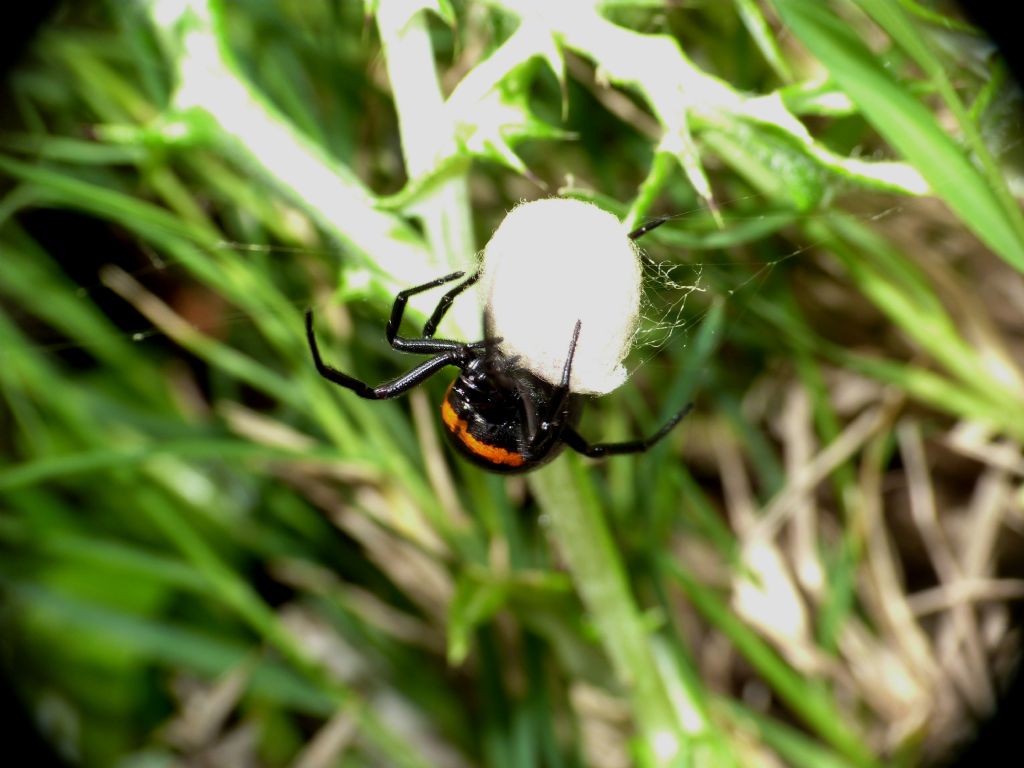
(213, 557)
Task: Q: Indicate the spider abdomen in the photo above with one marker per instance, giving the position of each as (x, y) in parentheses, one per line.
(492, 432)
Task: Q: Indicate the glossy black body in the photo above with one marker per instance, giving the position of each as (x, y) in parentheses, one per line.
(507, 409)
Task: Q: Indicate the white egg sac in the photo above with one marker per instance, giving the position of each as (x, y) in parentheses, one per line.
(550, 263)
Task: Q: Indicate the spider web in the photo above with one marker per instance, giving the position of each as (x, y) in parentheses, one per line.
(678, 294)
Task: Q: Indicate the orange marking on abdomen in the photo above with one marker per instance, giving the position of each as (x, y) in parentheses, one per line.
(460, 429)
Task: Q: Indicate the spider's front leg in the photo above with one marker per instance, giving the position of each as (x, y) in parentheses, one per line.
(458, 355)
(540, 431)
(445, 352)
(426, 345)
(446, 301)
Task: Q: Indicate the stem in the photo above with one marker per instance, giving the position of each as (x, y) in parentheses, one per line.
(566, 495)
(428, 138)
(212, 94)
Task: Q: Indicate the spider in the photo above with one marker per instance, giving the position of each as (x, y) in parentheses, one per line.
(497, 414)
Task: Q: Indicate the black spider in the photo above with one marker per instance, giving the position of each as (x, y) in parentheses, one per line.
(496, 413)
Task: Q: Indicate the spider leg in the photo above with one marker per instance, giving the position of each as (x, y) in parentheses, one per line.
(538, 432)
(533, 425)
(563, 385)
(424, 346)
(445, 303)
(457, 356)
(573, 439)
(643, 229)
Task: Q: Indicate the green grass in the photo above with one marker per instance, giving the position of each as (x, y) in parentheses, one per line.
(191, 517)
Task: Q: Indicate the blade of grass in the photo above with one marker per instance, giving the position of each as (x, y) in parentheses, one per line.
(169, 644)
(568, 499)
(794, 747)
(892, 18)
(908, 126)
(757, 27)
(807, 699)
(211, 93)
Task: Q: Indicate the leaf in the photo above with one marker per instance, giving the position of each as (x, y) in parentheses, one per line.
(475, 602)
(490, 108)
(906, 124)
